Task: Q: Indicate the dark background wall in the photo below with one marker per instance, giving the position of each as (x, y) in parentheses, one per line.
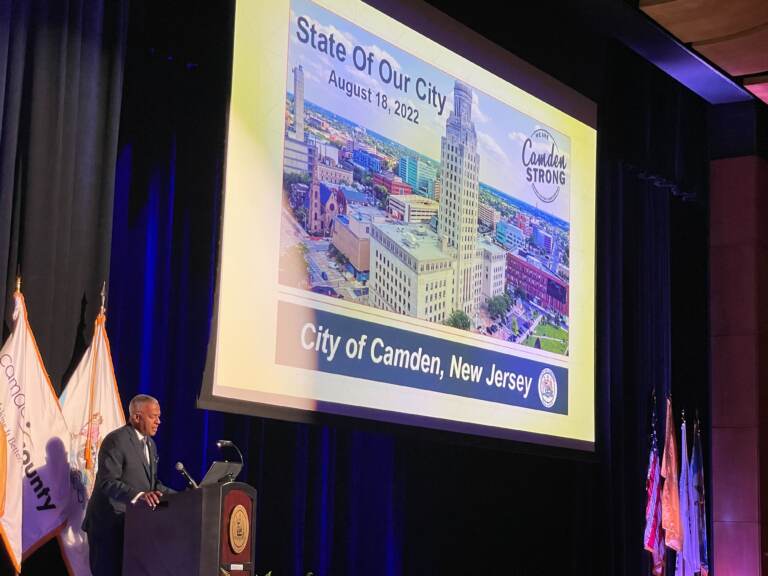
(347, 497)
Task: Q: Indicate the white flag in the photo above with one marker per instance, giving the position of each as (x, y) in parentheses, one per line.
(686, 562)
(92, 409)
(36, 489)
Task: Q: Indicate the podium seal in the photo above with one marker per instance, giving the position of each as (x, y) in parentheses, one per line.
(239, 529)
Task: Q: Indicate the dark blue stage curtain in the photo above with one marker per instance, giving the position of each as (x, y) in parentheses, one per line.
(652, 279)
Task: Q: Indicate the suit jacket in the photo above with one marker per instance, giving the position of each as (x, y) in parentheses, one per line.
(123, 473)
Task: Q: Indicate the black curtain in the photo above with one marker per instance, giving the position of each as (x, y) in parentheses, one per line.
(61, 83)
(652, 282)
(61, 80)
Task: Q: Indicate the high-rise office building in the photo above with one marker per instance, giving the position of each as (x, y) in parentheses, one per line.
(296, 152)
(420, 175)
(494, 269)
(488, 215)
(457, 220)
(298, 103)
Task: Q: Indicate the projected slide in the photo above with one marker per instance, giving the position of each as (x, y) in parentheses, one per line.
(406, 236)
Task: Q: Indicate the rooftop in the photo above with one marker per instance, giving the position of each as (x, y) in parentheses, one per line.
(491, 247)
(365, 213)
(416, 239)
(415, 200)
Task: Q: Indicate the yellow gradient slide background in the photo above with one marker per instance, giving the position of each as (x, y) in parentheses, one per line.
(245, 366)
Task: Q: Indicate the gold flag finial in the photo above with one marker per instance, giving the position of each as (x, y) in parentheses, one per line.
(18, 283)
(103, 296)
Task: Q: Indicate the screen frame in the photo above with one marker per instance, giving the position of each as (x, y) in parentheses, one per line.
(456, 37)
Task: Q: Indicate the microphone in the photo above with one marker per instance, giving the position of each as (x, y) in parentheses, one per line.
(183, 472)
(229, 444)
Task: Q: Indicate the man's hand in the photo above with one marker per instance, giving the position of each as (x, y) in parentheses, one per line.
(151, 499)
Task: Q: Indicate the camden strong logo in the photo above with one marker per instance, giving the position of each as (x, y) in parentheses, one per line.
(546, 167)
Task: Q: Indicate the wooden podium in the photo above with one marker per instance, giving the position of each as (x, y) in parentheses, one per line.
(207, 531)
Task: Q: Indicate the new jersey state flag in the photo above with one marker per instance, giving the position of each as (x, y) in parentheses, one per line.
(35, 486)
(92, 409)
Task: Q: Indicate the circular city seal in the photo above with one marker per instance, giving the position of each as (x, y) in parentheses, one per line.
(545, 167)
(239, 529)
(547, 388)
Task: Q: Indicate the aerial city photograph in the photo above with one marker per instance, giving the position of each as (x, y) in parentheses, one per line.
(450, 206)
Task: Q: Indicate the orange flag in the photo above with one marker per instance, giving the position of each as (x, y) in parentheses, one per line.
(670, 496)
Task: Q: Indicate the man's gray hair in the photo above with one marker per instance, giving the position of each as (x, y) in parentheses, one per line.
(138, 401)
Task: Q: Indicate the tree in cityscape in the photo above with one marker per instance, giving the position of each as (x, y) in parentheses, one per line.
(382, 195)
(497, 306)
(290, 178)
(459, 319)
(300, 213)
(297, 194)
(500, 305)
(337, 255)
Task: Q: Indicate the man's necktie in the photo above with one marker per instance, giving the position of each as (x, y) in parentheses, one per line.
(145, 441)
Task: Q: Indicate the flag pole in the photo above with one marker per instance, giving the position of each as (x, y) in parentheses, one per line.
(653, 419)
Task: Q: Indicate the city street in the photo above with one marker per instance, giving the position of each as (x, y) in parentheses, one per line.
(323, 270)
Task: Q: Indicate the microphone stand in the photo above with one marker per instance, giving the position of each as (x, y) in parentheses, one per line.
(228, 443)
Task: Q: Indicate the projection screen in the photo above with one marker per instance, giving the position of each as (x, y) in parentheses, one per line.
(408, 228)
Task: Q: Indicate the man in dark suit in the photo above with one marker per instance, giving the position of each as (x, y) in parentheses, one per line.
(127, 476)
